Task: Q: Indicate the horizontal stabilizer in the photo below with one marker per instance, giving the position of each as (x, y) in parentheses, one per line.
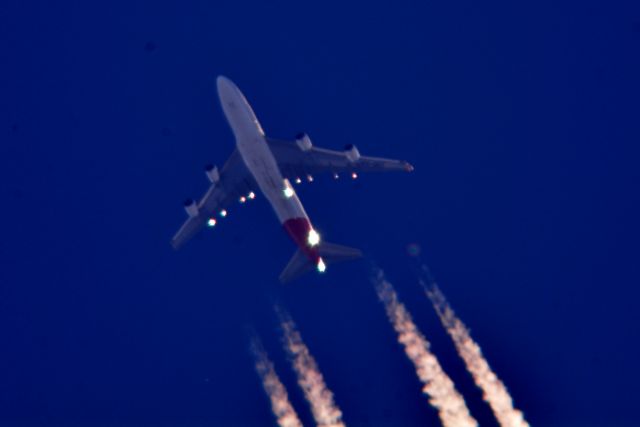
(298, 265)
(329, 252)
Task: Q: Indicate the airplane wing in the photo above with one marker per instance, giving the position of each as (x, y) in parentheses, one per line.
(296, 161)
(234, 182)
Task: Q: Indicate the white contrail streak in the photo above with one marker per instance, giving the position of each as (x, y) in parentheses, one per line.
(494, 391)
(280, 405)
(443, 396)
(325, 412)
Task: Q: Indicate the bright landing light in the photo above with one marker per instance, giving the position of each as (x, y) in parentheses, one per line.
(223, 213)
(313, 238)
(252, 195)
(211, 222)
(288, 192)
(321, 266)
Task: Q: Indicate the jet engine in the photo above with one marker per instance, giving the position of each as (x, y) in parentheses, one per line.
(352, 153)
(303, 141)
(191, 207)
(212, 173)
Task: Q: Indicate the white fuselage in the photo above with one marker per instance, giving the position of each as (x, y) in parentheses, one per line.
(259, 159)
(255, 152)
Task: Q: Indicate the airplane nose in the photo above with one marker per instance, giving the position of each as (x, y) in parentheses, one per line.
(221, 80)
(237, 109)
(224, 85)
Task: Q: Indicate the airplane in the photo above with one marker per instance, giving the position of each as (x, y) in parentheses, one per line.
(262, 164)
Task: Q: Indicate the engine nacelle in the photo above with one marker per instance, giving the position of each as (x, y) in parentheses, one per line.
(352, 153)
(212, 173)
(191, 207)
(303, 141)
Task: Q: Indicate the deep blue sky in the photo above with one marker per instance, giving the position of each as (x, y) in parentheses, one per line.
(521, 121)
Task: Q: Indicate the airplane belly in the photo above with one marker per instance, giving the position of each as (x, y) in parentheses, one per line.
(260, 161)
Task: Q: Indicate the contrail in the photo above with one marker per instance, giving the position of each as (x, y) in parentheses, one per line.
(325, 412)
(272, 385)
(443, 396)
(494, 391)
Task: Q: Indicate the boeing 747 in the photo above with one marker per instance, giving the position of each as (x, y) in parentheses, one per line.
(262, 164)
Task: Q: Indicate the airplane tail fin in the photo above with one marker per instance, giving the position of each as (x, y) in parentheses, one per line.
(330, 253)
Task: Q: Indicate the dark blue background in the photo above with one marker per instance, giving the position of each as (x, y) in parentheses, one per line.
(521, 121)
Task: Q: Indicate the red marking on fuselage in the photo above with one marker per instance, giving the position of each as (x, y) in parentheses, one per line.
(298, 229)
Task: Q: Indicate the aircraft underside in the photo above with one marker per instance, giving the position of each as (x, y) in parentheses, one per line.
(266, 165)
